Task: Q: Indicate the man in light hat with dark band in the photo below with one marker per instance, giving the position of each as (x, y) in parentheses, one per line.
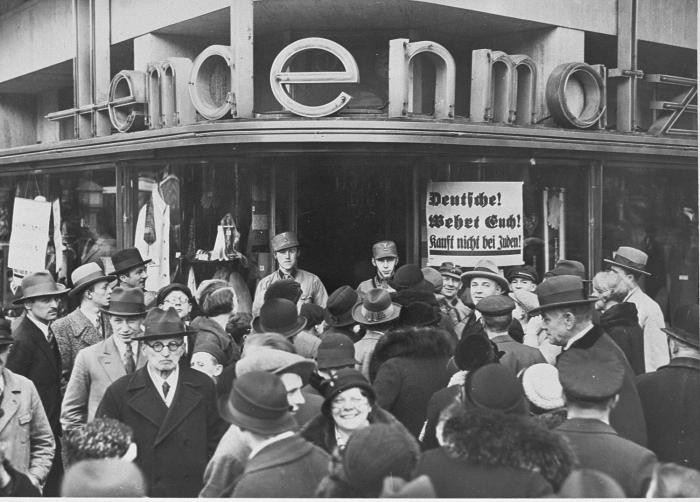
(99, 365)
(130, 269)
(285, 247)
(172, 410)
(377, 313)
(86, 325)
(35, 355)
(385, 256)
(630, 264)
(567, 319)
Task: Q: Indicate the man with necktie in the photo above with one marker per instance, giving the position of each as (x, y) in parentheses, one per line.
(99, 365)
(35, 355)
(171, 409)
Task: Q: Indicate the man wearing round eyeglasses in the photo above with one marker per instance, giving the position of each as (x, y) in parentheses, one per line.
(172, 410)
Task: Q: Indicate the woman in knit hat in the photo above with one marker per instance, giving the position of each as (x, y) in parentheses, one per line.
(348, 405)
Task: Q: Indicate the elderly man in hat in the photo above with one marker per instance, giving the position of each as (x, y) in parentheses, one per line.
(451, 304)
(377, 314)
(630, 264)
(172, 410)
(670, 394)
(497, 315)
(100, 365)
(567, 318)
(592, 379)
(35, 355)
(231, 456)
(385, 256)
(285, 247)
(86, 325)
(25, 434)
(130, 269)
(280, 463)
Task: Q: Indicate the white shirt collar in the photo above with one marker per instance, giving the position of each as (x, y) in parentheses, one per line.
(43, 327)
(578, 335)
(269, 441)
(158, 382)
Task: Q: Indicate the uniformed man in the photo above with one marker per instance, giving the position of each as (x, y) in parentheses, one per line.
(523, 277)
(285, 246)
(385, 257)
(451, 304)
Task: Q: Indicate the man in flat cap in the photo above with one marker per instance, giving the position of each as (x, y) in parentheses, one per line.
(86, 325)
(100, 365)
(172, 410)
(670, 394)
(497, 315)
(567, 319)
(285, 247)
(630, 264)
(385, 256)
(35, 355)
(130, 269)
(592, 379)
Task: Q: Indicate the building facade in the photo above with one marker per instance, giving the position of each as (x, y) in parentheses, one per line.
(197, 130)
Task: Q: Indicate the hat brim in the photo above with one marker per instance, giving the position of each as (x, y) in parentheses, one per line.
(289, 332)
(125, 314)
(77, 289)
(423, 285)
(450, 274)
(683, 336)
(520, 275)
(625, 266)
(336, 363)
(263, 427)
(302, 368)
(358, 317)
(502, 281)
(130, 267)
(21, 300)
(161, 336)
(339, 321)
(550, 306)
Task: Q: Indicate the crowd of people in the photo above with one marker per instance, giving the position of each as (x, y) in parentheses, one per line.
(419, 382)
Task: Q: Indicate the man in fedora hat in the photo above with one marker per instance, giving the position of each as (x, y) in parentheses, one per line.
(670, 394)
(451, 304)
(280, 463)
(592, 379)
(567, 319)
(86, 325)
(100, 365)
(630, 264)
(231, 456)
(285, 247)
(377, 314)
(279, 315)
(25, 433)
(172, 410)
(130, 269)
(385, 256)
(35, 355)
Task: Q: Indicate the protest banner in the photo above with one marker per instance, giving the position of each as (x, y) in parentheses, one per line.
(30, 235)
(468, 221)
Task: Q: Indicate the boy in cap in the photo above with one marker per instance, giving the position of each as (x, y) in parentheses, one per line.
(385, 256)
(630, 264)
(592, 379)
(523, 277)
(285, 247)
(207, 359)
(172, 410)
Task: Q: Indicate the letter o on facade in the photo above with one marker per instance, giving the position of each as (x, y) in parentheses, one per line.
(127, 100)
(575, 95)
(210, 82)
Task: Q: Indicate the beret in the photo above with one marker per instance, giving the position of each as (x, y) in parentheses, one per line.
(496, 305)
(590, 374)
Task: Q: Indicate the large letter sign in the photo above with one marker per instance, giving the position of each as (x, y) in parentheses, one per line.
(281, 79)
(467, 221)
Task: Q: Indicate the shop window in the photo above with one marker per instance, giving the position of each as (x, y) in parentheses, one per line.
(656, 210)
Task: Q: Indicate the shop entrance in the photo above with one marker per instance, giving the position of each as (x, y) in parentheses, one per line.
(343, 210)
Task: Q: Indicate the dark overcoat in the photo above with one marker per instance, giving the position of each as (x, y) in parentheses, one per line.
(627, 418)
(290, 467)
(599, 447)
(412, 366)
(622, 324)
(670, 398)
(174, 444)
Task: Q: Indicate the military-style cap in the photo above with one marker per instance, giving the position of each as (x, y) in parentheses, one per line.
(451, 270)
(524, 272)
(283, 241)
(495, 305)
(590, 374)
(384, 249)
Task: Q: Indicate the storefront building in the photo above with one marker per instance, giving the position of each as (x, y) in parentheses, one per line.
(164, 124)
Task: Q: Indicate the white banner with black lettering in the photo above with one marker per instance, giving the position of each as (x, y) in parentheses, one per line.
(468, 221)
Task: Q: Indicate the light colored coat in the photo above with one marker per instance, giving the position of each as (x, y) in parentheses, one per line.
(312, 289)
(651, 319)
(96, 367)
(25, 433)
